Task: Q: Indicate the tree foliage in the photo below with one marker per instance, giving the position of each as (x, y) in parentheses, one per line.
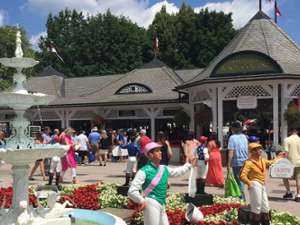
(189, 39)
(101, 44)
(106, 44)
(7, 49)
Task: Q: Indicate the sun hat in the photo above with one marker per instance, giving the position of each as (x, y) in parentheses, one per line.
(69, 131)
(143, 131)
(150, 146)
(254, 146)
(95, 129)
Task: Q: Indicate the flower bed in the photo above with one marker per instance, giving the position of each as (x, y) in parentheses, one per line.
(97, 196)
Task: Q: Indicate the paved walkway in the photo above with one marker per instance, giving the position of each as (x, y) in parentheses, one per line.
(113, 173)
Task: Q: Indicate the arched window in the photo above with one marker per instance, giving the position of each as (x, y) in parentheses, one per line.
(134, 88)
(246, 63)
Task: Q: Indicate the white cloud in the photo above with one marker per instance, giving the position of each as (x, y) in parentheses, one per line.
(1, 18)
(35, 39)
(242, 10)
(140, 12)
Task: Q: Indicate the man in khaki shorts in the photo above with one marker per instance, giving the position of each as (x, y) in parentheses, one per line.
(292, 147)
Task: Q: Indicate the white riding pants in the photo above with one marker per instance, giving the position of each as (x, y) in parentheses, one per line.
(155, 213)
(192, 182)
(258, 198)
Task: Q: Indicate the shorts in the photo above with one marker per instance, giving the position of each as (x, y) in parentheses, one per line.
(131, 164)
(95, 147)
(103, 151)
(297, 174)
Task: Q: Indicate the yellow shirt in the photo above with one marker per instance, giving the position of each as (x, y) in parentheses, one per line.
(292, 146)
(255, 170)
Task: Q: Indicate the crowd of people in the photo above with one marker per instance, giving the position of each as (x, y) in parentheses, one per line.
(147, 164)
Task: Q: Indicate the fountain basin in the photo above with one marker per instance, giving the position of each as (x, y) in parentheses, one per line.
(17, 62)
(20, 157)
(21, 101)
(101, 218)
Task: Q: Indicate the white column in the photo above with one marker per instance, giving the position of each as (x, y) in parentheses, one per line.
(20, 184)
(191, 114)
(275, 115)
(69, 114)
(152, 118)
(152, 113)
(61, 115)
(214, 110)
(220, 115)
(283, 107)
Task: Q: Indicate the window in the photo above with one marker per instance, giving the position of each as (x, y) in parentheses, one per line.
(134, 89)
(246, 63)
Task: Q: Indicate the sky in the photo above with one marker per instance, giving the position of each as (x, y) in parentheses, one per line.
(32, 14)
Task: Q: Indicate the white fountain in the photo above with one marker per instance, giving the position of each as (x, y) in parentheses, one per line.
(20, 151)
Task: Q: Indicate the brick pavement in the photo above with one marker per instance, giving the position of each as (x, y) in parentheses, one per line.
(113, 173)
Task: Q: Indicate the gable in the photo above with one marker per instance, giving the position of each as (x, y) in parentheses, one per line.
(246, 63)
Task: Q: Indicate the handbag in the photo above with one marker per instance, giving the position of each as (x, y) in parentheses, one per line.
(231, 187)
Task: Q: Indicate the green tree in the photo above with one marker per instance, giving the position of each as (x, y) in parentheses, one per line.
(7, 49)
(101, 44)
(189, 39)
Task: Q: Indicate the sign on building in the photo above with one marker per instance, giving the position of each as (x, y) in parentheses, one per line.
(33, 130)
(282, 169)
(246, 102)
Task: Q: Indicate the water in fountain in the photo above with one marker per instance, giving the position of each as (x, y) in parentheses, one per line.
(20, 151)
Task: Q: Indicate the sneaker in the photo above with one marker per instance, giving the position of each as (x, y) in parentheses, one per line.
(288, 195)
(297, 199)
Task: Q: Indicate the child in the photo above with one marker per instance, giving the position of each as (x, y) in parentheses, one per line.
(253, 173)
(153, 180)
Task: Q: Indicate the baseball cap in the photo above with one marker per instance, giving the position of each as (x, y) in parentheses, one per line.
(253, 146)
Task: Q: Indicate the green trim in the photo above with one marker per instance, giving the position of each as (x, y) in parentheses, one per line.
(246, 63)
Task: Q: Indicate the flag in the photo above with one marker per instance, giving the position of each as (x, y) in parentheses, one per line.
(51, 48)
(277, 10)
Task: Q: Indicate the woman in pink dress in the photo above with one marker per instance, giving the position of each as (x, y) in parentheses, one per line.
(215, 175)
(68, 160)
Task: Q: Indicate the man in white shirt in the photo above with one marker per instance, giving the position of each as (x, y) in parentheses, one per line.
(82, 140)
(292, 147)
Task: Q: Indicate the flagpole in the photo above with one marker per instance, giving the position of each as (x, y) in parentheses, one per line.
(275, 13)
(260, 5)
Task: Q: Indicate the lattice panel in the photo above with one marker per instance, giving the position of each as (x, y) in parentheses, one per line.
(296, 91)
(253, 90)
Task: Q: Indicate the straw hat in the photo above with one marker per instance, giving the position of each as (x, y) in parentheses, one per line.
(69, 131)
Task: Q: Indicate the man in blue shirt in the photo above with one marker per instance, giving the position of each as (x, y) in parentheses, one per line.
(94, 139)
(237, 153)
